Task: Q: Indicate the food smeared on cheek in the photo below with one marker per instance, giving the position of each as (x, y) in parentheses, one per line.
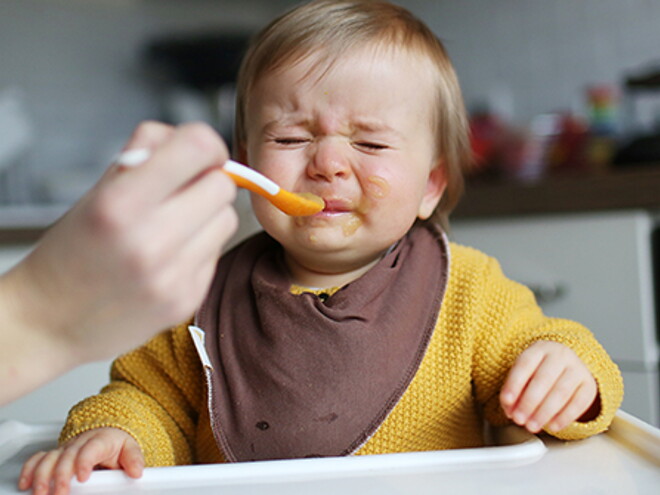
(377, 187)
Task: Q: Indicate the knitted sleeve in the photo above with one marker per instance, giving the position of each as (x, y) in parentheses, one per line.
(507, 321)
(154, 395)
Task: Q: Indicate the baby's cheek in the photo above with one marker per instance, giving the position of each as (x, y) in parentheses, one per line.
(266, 214)
(395, 212)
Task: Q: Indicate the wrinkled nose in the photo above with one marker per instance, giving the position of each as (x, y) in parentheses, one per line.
(329, 162)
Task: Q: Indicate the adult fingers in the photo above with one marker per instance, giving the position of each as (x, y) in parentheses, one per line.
(149, 134)
(214, 238)
(181, 286)
(181, 216)
(189, 150)
(204, 250)
(200, 221)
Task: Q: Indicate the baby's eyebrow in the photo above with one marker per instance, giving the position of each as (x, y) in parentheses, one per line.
(371, 124)
(374, 126)
(286, 122)
(368, 125)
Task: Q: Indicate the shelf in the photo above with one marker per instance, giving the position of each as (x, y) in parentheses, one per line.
(26, 224)
(627, 188)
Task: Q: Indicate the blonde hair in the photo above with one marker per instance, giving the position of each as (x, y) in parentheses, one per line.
(330, 28)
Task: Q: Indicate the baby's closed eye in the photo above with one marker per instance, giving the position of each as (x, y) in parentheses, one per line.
(291, 141)
(371, 145)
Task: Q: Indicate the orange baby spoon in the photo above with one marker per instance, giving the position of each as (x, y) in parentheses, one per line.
(296, 205)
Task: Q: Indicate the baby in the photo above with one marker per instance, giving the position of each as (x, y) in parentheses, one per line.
(361, 329)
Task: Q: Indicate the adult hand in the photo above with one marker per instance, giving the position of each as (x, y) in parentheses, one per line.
(132, 257)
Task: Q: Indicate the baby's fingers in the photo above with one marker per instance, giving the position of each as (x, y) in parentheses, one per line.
(559, 397)
(26, 477)
(63, 471)
(43, 472)
(579, 403)
(519, 375)
(536, 394)
(94, 453)
(131, 459)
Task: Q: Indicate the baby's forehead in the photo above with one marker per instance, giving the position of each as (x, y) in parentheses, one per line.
(345, 92)
(318, 60)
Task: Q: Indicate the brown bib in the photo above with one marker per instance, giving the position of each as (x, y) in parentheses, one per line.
(295, 376)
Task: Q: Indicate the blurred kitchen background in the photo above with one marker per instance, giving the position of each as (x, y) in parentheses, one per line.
(77, 75)
(555, 89)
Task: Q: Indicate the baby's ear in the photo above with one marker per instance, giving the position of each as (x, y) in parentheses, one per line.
(435, 186)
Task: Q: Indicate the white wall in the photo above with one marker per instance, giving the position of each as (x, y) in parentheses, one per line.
(543, 53)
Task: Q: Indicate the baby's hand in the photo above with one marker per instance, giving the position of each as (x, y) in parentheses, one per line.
(548, 385)
(105, 447)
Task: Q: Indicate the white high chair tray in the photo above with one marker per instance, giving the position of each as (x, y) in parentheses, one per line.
(624, 460)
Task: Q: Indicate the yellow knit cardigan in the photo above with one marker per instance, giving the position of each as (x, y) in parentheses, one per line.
(158, 392)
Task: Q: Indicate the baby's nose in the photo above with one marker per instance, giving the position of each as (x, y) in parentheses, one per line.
(330, 161)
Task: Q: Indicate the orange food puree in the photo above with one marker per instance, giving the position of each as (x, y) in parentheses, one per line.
(377, 187)
(314, 198)
(350, 225)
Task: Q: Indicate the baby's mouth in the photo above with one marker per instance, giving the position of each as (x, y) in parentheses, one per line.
(336, 206)
(338, 212)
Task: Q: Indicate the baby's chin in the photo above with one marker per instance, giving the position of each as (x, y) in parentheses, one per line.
(332, 235)
(321, 242)
(332, 246)
(330, 268)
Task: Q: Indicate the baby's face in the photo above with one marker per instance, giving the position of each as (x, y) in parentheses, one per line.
(361, 137)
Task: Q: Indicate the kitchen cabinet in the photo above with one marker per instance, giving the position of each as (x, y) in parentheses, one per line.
(595, 268)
